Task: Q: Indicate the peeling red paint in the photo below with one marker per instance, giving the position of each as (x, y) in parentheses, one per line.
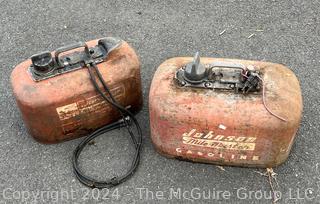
(176, 111)
(61, 108)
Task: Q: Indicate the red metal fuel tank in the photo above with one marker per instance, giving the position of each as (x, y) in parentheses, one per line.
(56, 97)
(224, 111)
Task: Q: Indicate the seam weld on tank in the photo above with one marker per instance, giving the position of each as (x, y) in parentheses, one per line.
(224, 111)
(56, 97)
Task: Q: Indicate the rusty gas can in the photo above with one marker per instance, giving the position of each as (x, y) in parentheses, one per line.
(224, 111)
(56, 97)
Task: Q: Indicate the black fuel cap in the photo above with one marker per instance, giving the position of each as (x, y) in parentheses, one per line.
(195, 71)
(42, 62)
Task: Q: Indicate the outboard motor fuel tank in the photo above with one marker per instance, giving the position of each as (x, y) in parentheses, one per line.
(58, 101)
(224, 111)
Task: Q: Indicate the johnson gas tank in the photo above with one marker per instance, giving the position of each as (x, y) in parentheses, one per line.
(224, 111)
(56, 97)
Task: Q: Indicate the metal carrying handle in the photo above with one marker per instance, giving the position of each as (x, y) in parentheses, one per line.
(231, 65)
(68, 48)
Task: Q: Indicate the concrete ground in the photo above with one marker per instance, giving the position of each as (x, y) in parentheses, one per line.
(284, 32)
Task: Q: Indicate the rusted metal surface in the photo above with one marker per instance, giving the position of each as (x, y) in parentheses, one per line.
(223, 127)
(67, 106)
